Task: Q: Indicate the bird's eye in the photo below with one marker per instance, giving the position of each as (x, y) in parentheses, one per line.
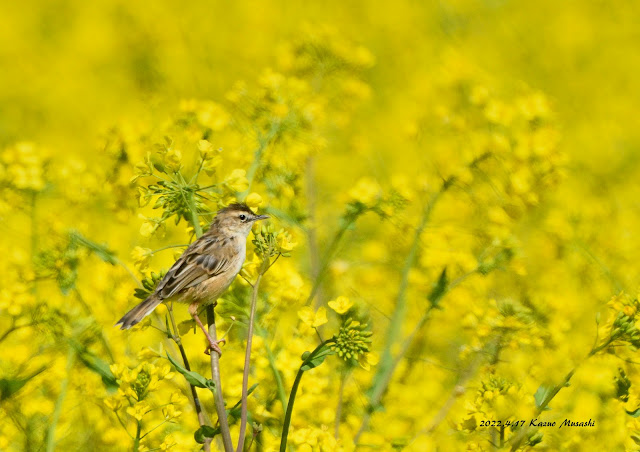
(242, 217)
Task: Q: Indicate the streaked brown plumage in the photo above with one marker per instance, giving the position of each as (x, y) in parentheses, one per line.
(205, 269)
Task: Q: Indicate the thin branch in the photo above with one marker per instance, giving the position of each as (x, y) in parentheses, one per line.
(128, 270)
(247, 357)
(101, 335)
(343, 377)
(159, 425)
(123, 426)
(517, 440)
(175, 336)
(215, 374)
(13, 328)
(51, 431)
(166, 248)
(398, 316)
(294, 389)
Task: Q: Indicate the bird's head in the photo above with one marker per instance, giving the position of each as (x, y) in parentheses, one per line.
(235, 219)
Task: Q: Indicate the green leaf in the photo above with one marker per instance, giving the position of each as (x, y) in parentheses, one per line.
(9, 386)
(541, 394)
(204, 432)
(193, 378)
(439, 289)
(100, 367)
(140, 293)
(314, 361)
(635, 413)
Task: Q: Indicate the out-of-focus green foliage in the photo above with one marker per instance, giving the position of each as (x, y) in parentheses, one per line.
(459, 177)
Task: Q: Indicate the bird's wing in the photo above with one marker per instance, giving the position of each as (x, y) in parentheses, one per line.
(201, 261)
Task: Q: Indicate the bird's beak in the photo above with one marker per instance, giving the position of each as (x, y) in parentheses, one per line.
(261, 217)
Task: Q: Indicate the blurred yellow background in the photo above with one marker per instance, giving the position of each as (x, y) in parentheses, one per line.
(505, 133)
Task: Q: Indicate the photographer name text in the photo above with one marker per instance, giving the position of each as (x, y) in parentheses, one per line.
(538, 423)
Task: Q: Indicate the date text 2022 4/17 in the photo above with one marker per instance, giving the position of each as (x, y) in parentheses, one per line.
(538, 423)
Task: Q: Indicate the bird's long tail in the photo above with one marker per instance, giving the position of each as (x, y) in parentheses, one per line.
(139, 312)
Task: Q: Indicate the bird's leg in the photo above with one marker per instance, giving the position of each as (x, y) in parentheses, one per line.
(213, 345)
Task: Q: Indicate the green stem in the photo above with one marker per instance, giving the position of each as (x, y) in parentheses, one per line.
(517, 439)
(124, 427)
(168, 247)
(292, 396)
(51, 432)
(194, 179)
(399, 313)
(129, 271)
(136, 441)
(287, 416)
(156, 427)
(101, 336)
(194, 216)
(378, 390)
(13, 328)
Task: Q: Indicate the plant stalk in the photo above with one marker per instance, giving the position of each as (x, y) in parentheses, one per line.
(51, 432)
(215, 374)
(136, 441)
(287, 416)
(247, 359)
(519, 437)
(292, 397)
(194, 394)
(343, 377)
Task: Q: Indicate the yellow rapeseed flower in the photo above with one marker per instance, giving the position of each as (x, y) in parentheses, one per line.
(253, 200)
(341, 304)
(113, 403)
(138, 410)
(170, 412)
(311, 318)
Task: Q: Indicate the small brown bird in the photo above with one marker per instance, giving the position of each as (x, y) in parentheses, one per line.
(205, 269)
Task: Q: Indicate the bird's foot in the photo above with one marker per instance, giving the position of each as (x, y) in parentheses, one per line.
(213, 345)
